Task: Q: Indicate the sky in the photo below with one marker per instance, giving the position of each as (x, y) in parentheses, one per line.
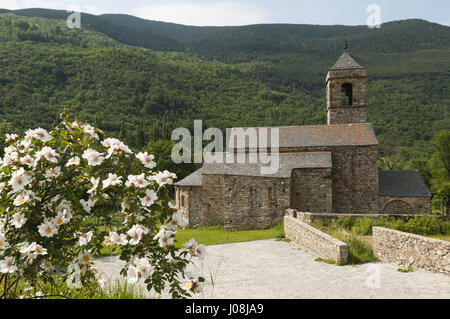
(244, 12)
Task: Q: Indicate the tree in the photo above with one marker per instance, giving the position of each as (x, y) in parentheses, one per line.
(123, 132)
(140, 139)
(441, 142)
(98, 121)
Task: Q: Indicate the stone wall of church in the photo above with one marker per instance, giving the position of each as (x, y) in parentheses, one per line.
(188, 198)
(355, 177)
(255, 202)
(212, 200)
(312, 190)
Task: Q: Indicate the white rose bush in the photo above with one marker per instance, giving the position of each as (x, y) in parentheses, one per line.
(65, 195)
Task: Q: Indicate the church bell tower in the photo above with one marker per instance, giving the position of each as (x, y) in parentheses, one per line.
(346, 91)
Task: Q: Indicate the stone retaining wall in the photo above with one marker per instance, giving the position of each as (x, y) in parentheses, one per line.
(410, 250)
(313, 240)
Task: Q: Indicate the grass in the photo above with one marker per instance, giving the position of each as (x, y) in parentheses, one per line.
(215, 235)
(359, 247)
(441, 237)
(405, 269)
(326, 261)
(120, 289)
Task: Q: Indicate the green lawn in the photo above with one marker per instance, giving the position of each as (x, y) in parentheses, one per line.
(214, 235)
(441, 237)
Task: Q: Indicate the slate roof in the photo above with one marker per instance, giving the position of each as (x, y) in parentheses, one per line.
(346, 62)
(287, 162)
(402, 183)
(195, 179)
(360, 134)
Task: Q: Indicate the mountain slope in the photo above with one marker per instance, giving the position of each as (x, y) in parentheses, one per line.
(45, 67)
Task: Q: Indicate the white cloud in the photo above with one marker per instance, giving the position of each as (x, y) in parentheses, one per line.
(447, 23)
(43, 4)
(9, 4)
(220, 13)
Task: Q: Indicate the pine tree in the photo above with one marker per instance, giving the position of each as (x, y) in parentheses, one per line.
(123, 132)
(140, 135)
(98, 121)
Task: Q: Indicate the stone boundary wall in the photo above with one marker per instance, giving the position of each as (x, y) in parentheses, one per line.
(410, 250)
(315, 241)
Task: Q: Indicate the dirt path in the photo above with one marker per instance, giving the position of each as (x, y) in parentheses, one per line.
(276, 269)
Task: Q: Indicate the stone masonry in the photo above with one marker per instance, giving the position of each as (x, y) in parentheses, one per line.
(409, 250)
(313, 240)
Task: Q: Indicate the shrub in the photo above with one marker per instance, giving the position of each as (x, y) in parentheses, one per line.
(63, 196)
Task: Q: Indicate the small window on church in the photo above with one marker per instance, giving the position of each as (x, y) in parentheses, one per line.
(182, 201)
(269, 194)
(346, 94)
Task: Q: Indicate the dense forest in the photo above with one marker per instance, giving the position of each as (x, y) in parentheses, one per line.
(138, 79)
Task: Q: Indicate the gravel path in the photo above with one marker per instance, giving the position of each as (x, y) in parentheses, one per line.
(270, 269)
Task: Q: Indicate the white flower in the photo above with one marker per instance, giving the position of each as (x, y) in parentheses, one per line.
(163, 178)
(11, 137)
(137, 180)
(62, 218)
(74, 161)
(7, 265)
(47, 229)
(85, 238)
(27, 160)
(90, 130)
(42, 135)
(195, 249)
(192, 282)
(201, 251)
(136, 233)
(146, 159)
(178, 220)
(18, 220)
(112, 180)
(22, 198)
(117, 239)
(2, 187)
(95, 182)
(33, 250)
(143, 267)
(149, 198)
(53, 173)
(115, 147)
(48, 153)
(132, 274)
(87, 205)
(3, 243)
(19, 179)
(84, 258)
(93, 157)
(164, 237)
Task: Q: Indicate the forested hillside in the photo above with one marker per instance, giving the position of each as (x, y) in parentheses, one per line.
(118, 70)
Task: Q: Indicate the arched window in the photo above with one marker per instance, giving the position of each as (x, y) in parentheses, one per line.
(182, 201)
(346, 94)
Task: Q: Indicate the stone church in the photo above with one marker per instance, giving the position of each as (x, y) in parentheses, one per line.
(328, 169)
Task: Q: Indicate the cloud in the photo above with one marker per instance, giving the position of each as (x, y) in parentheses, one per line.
(9, 4)
(220, 13)
(447, 23)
